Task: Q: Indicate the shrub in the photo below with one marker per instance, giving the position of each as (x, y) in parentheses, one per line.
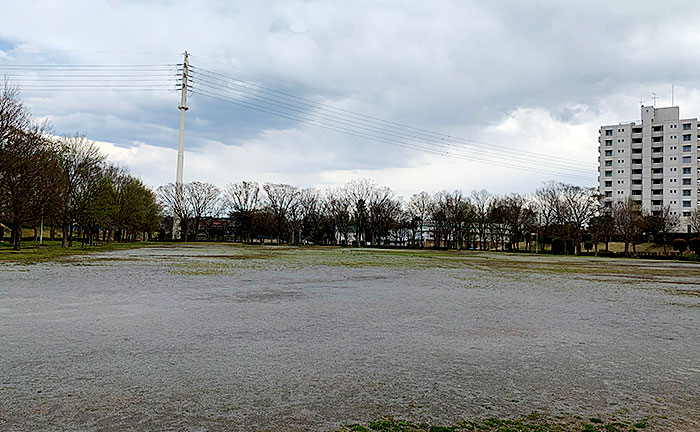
(680, 245)
(694, 244)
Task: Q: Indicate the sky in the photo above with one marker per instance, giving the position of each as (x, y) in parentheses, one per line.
(514, 91)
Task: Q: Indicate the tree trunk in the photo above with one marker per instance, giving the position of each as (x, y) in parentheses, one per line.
(664, 240)
(64, 237)
(17, 235)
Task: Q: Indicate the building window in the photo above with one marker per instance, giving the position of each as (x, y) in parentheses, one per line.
(686, 203)
(686, 170)
(608, 143)
(686, 192)
(686, 126)
(686, 181)
(608, 194)
(608, 173)
(608, 132)
(608, 183)
(609, 152)
(608, 163)
(687, 148)
(686, 137)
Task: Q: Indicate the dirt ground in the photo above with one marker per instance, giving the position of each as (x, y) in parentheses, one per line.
(223, 337)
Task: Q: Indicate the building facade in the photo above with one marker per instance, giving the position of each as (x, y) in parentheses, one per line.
(654, 161)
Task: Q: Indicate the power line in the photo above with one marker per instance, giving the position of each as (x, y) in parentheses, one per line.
(263, 88)
(370, 130)
(444, 147)
(92, 77)
(160, 77)
(286, 98)
(359, 134)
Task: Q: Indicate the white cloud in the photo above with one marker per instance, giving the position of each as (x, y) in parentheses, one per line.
(539, 78)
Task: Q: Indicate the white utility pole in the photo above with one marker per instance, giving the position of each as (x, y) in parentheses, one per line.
(181, 148)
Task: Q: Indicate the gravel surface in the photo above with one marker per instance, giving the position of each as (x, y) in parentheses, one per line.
(220, 337)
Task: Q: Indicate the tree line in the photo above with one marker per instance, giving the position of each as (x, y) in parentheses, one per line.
(65, 183)
(563, 216)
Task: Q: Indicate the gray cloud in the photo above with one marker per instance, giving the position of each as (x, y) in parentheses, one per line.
(457, 67)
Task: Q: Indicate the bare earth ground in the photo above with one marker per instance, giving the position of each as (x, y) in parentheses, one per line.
(222, 337)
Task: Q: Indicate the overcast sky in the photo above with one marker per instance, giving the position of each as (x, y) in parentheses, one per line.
(537, 76)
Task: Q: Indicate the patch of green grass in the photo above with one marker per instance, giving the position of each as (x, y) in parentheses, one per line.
(32, 252)
(533, 422)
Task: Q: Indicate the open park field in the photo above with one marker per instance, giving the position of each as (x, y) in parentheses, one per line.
(224, 337)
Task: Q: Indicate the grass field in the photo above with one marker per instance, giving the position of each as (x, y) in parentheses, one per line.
(33, 252)
(231, 337)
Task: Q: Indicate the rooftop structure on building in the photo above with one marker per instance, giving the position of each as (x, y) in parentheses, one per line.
(654, 161)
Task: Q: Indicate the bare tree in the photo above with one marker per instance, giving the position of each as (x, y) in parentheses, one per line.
(547, 206)
(281, 198)
(518, 217)
(383, 211)
(579, 205)
(306, 216)
(480, 200)
(628, 217)
(242, 200)
(695, 220)
(175, 203)
(419, 208)
(358, 193)
(337, 209)
(602, 229)
(203, 201)
(440, 219)
(497, 223)
(668, 222)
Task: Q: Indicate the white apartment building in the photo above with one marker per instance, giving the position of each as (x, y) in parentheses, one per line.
(654, 161)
